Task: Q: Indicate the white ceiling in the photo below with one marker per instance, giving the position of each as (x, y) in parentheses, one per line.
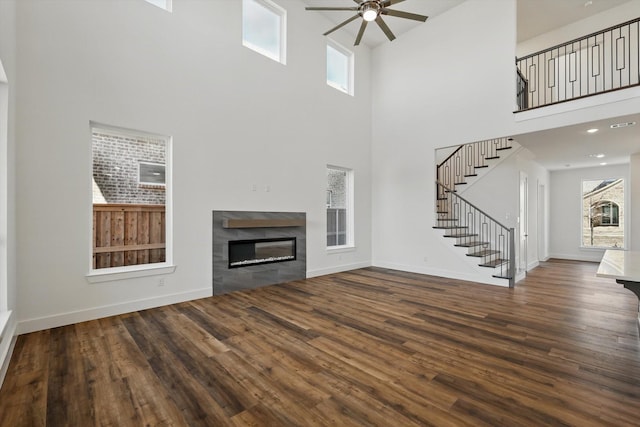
(573, 146)
(535, 17)
(373, 35)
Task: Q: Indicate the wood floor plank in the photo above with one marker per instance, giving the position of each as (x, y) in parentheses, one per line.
(369, 347)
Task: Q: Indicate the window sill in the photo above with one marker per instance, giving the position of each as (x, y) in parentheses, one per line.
(124, 273)
(340, 249)
(601, 248)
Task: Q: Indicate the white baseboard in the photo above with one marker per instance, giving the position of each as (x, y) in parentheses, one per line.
(7, 343)
(533, 265)
(445, 273)
(337, 269)
(38, 324)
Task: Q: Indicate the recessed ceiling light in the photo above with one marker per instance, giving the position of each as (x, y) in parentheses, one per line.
(588, 3)
(594, 130)
(622, 125)
(603, 164)
(597, 156)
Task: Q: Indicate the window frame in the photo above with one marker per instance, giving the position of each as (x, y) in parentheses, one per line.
(281, 13)
(602, 204)
(147, 183)
(349, 208)
(350, 57)
(109, 274)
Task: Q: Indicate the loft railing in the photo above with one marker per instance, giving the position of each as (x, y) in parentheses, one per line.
(463, 162)
(486, 238)
(522, 90)
(600, 62)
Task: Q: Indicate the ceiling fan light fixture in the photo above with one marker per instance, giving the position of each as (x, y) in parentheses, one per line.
(370, 11)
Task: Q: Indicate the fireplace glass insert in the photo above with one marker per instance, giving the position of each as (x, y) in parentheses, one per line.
(243, 253)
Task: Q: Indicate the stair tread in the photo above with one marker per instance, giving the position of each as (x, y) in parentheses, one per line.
(459, 183)
(447, 219)
(442, 212)
(470, 175)
(492, 158)
(503, 148)
(506, 275)
(471, 244)
(484, 253)
(494, 263)
(481, 166)
(450, 227)
(460, 235)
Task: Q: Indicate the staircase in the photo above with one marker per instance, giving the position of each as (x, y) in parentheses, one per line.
(487, 240)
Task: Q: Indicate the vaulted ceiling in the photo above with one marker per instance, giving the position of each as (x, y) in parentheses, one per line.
(535, 17)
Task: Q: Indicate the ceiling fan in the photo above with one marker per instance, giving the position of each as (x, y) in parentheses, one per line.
(372, 10)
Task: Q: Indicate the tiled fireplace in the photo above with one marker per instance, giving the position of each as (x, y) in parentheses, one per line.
(253, 249)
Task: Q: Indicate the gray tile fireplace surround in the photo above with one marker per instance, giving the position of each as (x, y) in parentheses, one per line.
(247, 225)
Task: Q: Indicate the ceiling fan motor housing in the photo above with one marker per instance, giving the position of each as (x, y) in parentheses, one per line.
(370, 10)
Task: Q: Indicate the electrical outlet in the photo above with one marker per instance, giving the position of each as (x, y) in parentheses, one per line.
(161, 281)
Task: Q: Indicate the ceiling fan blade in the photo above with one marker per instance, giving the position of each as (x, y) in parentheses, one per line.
(406, 15)
(388, 3)
(342, 24)
(384, 28)
(361, 32)
(330, 8)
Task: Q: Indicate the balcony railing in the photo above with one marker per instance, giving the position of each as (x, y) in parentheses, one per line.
(600, 62)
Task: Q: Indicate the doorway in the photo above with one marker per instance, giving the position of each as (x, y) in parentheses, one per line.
(523, 220)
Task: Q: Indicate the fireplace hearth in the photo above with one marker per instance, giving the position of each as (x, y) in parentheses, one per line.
(254, 249)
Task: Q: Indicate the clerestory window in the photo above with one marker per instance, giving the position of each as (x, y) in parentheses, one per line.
(339, 68)
(264, 28)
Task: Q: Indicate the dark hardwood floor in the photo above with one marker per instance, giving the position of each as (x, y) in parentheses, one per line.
(368, 347)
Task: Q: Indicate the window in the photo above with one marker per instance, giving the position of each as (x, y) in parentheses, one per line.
(162, 4)
(264, 28)
(151, 174)
(339, 207)
(603, 213)
(339, 68)
(130, 193)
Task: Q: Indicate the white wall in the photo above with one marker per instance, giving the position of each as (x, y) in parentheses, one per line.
(236, 118)
(436, 86)
(566, 210)
(497, 193)
(8, 81)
